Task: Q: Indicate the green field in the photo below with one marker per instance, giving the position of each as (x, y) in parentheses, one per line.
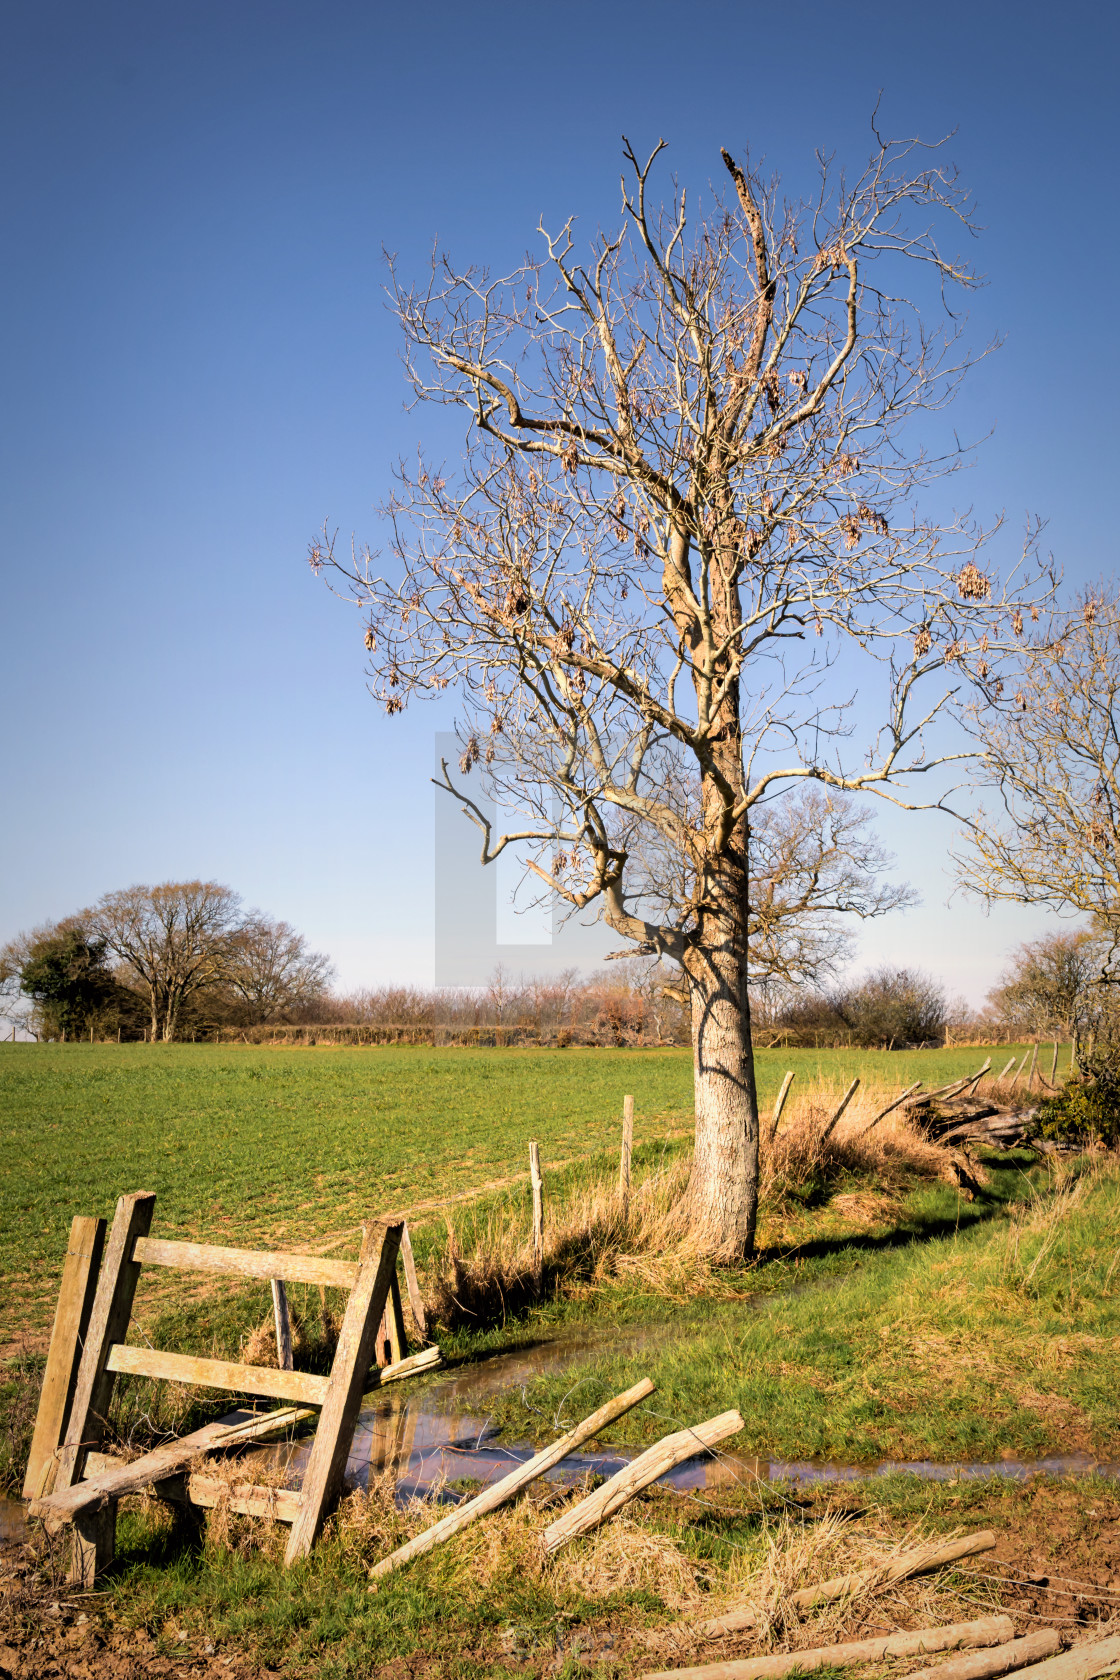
(293, 1147)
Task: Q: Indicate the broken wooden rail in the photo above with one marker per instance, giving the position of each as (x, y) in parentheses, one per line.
(985, 1631)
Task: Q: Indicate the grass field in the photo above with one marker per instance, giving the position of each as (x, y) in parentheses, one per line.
(920, 1324)
(295, 1147)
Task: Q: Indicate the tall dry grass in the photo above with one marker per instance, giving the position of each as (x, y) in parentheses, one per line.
(593, 1235)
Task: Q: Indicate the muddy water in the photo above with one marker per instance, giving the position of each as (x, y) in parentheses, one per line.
(433, 1437)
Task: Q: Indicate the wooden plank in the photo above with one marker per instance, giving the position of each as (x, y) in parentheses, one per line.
(656, 1461)
(412, 1283)
(490, 1498)
(246, 1499)
(112, 1484)
(245, 1262)
(71, 1319)
(297, 1386)
(353, 1358)
(394, 1319)
(282, 1319)
(1004, 1659)
(414, 1366)
(987, 1630)
(108, 1323)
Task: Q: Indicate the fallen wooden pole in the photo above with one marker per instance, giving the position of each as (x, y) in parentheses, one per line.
(890, 1108)
(780, 1104)
(844, 1101)
(656, 1461)
(988, 1630)
(1083, 1662)
(920, 1561)
(490, 1498)
(414, 1366)
(1003, 1659)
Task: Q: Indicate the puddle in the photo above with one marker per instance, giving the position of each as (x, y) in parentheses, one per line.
(431, 1437)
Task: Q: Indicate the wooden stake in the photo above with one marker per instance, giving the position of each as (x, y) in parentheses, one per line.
(1021, 1069)
(283, 1322)
(537, 1182)
(71, 1319)
(1054, 1064)
(656, 1461)
(108, 1323)
(779, 1105)
(988, 1630)
(490, 1498)
(1034, 1064)
(1007, 1069)
(93, 1544)
(323, 1476)
(844, 1101)
(890, 1108)
(627, 1149)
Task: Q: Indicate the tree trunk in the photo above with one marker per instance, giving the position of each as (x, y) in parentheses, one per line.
(723, 1189)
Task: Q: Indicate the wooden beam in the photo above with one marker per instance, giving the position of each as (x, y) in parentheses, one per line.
(656, 1461)
(282, 1320)
(299, 1387)
(1004, 1659)
(246, 1499)
(322, 1477)
(71, 1320)
(986, 1630)
(412, 1283)
(490, 1498)
(246, 1262)
(92, 1545)
(108, 1323)
(113, 1483)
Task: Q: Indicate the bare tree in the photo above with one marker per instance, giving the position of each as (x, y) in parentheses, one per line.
(684, 516)
(1052, 985)
(172, 939)
(1051, 756)
(271, 969)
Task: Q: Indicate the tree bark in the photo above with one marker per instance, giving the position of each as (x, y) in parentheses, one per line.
(723, 1188)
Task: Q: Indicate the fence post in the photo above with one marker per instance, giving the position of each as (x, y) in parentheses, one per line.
(282, 1320)
(538, 1210)
(627, 1150)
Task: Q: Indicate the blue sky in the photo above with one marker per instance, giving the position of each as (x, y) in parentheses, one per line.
(199, 368)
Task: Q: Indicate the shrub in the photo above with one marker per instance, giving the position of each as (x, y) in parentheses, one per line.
(1089, 1105)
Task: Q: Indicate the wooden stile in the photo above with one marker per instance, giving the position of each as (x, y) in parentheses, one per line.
(75, 1304)
(108, 1323)
(353, 1357)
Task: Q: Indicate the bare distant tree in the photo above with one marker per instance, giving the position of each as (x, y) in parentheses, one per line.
(272, 971)
(685, 499)
(1051, 757)
(172, 940)
(1052, 985)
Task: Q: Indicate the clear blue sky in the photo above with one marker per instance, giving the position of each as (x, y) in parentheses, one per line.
(198, 369)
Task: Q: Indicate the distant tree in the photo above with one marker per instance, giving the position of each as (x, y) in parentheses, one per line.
(685, 496)
(1051, 758)
(63, 970)
(893, 1005)
(1053, 985)
(171, 940)
(271, 971)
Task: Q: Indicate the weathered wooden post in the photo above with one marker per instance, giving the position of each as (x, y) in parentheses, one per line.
(1034, 1064)
(281, 1317)
(1054, 1064)
(627, 1151)
(538, 1210)
(779, 1105)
